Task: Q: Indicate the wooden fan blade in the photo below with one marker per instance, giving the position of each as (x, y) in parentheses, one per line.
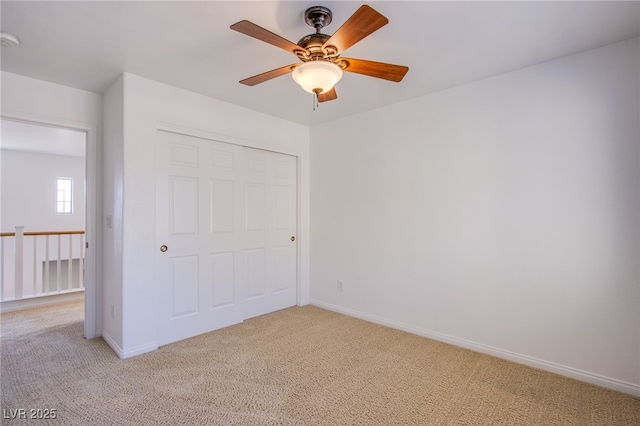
(362, 23)
(374, 69)
(265, 76)
(255, 31)
(328, 96)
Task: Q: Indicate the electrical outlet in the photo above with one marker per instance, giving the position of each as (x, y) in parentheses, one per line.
(340, 286)
(113, 310)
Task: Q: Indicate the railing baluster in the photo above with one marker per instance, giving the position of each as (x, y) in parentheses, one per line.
(3, 270)
(59, 268)
(18, 271)
(81, 263)
(35, 256)
(41, 269)
(46, 266)
(70, 264)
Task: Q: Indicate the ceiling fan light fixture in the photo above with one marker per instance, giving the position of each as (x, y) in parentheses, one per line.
(317, 76)
(319, 52)
(9, 40)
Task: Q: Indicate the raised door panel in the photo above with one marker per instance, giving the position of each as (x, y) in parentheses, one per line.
(185, 285)
(223, 280)
(222, 202)
(256, 211)
(256, 281)
(283, 200)
(183, 155)
(183, 205)
(222, 160)
(284, 269)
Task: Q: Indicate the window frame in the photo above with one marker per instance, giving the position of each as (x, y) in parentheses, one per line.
(64, 205)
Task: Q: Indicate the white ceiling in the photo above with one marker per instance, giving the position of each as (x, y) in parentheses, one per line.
(188, 44)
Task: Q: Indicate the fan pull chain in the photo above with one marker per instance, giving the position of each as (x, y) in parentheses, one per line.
(316, 103)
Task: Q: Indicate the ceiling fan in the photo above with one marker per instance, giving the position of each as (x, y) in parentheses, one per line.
(322, 65)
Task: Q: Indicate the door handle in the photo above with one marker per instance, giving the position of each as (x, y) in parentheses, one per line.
(163, 248)
(293, 238)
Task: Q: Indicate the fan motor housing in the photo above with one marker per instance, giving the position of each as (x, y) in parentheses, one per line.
(317, 17)
(313, 43)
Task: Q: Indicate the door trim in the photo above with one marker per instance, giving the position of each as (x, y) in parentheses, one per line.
(92, 288)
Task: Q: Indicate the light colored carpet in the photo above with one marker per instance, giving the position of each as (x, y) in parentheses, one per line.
(299, 366)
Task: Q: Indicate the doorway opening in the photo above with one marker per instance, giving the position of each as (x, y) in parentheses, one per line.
(43, 218)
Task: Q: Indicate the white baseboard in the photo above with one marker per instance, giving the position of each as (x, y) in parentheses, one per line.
(112, 343)
(41, 301)
(139, 350)
(124, 354)
(574, 373)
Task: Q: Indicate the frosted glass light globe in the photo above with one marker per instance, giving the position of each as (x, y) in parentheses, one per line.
(317, 76)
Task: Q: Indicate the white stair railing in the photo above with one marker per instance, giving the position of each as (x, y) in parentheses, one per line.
(53, 267)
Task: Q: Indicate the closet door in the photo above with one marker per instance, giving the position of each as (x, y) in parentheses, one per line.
(225, 234)
(270, 252)
(199, 238)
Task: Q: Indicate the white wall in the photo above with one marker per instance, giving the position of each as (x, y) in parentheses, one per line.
(112, 194)
(146, 106)
(502, 215)
(37, 101)
(28, 190)
(47, 101)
